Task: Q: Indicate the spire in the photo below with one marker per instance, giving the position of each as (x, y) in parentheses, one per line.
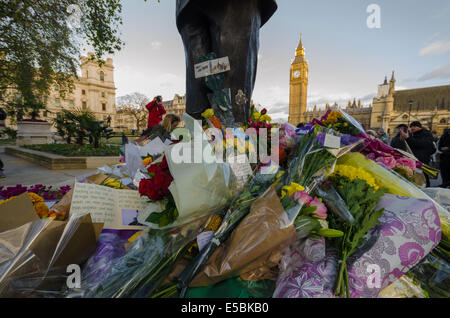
(300, 50)
(385, 80)
(393, 77)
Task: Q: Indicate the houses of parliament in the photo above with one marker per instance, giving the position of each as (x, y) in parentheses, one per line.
(391, 107)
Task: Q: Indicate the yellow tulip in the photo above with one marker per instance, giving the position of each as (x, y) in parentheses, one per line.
(291, 189)
(208, 113)
(256, 115)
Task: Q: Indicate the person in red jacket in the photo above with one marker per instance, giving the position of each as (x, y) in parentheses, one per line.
(155, 111)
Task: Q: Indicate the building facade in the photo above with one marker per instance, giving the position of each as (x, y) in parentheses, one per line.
(94, 90)
(429, 105)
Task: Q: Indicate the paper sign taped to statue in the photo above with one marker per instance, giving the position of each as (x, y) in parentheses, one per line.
(212, 67)
(117, 208)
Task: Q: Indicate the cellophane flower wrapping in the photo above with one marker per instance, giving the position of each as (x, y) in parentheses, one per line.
(34, 258)
(409, 230)
(395, 184)
(147, 262)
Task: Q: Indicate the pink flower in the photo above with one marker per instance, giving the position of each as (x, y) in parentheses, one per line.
(321, 211)
(407, 162)
(301, 197)
(389, 162)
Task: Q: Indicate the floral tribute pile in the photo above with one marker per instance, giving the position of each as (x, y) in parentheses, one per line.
(306, 225)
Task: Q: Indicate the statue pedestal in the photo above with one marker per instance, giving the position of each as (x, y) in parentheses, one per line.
(33, 133)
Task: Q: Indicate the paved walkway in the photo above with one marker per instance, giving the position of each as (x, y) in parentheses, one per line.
(19, 171)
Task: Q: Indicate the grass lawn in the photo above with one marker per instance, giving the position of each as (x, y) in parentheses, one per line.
(74, 150)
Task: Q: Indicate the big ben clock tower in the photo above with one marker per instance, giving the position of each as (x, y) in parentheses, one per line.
(298, 86)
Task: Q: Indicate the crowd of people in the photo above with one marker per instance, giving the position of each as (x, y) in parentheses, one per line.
(420, 142)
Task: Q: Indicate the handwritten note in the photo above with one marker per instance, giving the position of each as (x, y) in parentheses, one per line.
(114, 207)
(240, 167)
(332, 141)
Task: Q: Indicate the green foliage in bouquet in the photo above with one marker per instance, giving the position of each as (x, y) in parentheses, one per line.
(361, 200)
(167, 216)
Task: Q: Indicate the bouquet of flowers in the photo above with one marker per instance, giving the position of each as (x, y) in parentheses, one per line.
(361, 194)
(156, 188)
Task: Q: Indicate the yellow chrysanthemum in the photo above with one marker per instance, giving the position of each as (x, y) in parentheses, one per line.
(332, 117)
(35, 198)
(291, 189)
(353, 173)
(41, 207)
(208, 113)
(4, 201)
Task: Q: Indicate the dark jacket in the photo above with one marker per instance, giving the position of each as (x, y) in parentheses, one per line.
(421, 144)
(444, 141)
(396, 142)
(268, 8)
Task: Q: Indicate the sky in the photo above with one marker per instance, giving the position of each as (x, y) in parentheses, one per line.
(346, 58)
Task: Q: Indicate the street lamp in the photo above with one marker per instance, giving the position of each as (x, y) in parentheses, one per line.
(411, 102)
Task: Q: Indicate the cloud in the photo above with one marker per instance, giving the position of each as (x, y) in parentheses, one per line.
(442, 72)
(156, 45)
(435, 48)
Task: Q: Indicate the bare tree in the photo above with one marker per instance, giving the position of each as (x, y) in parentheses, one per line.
(134, 105)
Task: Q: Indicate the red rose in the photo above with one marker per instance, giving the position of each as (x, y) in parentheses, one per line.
(164, 164)
(264, 111)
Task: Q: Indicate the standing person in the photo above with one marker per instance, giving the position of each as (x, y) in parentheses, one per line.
(398, 141)
(383, 136)
(155, 111)
(444, 147)
(421, 143)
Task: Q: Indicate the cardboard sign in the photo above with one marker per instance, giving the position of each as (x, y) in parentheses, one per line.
(212, 67)
(17, 212)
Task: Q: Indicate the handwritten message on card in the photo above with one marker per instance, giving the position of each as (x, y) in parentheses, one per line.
(114, 207)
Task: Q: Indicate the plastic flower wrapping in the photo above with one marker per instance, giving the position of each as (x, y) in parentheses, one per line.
(329, 211)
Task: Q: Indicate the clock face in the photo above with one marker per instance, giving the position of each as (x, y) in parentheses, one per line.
(297, 74)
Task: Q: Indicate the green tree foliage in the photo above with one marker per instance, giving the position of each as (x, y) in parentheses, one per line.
(41, 42)
(81, 125)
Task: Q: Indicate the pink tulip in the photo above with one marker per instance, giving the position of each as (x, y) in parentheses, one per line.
(301, 197)
(321, 211)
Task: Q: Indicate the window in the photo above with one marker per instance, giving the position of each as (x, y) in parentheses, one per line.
(103, 94)
(102, 76)
(57, 102)
(443, 121)
(104, 107)
(83, 92)
(84, 105)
